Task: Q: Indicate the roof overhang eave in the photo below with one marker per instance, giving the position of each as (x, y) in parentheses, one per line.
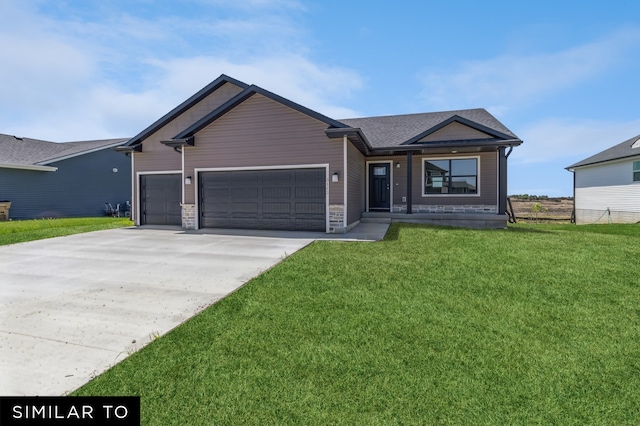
(352, 133)
(180, 142)
(126, 149)
(450, 145)
(33, 167)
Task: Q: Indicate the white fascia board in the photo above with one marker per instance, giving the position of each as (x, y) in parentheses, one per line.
(77, 154)
(29, 167)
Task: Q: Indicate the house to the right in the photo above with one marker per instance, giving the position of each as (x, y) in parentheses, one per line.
(606, 186)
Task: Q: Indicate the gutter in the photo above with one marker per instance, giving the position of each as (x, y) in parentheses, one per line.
(29, 167)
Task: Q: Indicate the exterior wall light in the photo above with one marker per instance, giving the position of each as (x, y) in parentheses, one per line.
(334, 177)
(187, 180)
(114, 170)
(398, 165)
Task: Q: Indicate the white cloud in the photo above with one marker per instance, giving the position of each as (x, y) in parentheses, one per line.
(294, 77)
(73, 80)
(509, 80)
(570, 139)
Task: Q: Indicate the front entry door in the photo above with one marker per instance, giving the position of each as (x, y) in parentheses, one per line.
(379, 187)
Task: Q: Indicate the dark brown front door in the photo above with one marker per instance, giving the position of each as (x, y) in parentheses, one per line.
(379, 187)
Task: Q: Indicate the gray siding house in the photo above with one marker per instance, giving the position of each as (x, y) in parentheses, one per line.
(606, 186)
(238, 156)
(45, 179)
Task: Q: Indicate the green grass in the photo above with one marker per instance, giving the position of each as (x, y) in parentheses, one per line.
(19, 231)
(537, 324)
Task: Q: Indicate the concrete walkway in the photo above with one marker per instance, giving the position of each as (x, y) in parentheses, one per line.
(71, 307)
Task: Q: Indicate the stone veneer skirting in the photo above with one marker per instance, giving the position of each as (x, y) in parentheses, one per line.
(468, 208)
(188, 216)
(336, 219)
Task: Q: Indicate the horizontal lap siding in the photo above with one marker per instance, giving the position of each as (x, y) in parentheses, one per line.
(80, 187)
(261, 132)
(606, 192)
(356, 184)
(488, 183)
(488, 180)
(156, 157)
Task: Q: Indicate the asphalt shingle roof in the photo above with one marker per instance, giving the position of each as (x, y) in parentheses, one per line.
(621, 150)
(394, 130)
(27, 151)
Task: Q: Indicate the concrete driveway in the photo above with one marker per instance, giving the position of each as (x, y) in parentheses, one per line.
(71, 307)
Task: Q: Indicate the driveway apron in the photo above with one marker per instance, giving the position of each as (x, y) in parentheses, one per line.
(71, 307)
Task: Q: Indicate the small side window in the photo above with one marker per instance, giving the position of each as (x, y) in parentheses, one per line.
(636, 171)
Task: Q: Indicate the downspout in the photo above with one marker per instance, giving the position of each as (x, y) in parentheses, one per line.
(509, 153)
(345, 188)
(409, 182)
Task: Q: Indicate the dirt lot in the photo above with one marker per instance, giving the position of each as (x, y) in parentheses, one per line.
(552, 209)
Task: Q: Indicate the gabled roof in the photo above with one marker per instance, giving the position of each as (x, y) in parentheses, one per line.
(36, 154)
(370, 134)
(200, 95)
(243, 96)
(396, 130)
(616, 152)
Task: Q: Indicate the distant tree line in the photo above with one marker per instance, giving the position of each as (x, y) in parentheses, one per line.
(529, 197)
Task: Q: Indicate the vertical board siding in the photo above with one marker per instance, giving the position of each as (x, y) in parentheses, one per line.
(262, 132)
(356, 184)
(79, 188)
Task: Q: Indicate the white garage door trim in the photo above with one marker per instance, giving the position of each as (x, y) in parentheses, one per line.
(250, 168)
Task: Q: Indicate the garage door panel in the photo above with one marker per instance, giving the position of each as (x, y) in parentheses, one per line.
(240, 208)
(310, 192)
(276, 192)
(311, 208)
(281, 208)
(160, 197)
(264, 199)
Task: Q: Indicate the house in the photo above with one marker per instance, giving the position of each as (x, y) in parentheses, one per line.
(606, 186)
(238, 156)
(45, 179)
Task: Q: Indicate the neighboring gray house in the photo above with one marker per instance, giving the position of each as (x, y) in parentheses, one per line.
(45, 179)
(238, 156)
(606, 186)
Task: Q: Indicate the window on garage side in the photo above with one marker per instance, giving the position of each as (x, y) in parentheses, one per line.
(636, 171)
(450, 176)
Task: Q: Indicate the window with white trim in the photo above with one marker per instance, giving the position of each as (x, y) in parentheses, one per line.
(636, 171)
(450, 176)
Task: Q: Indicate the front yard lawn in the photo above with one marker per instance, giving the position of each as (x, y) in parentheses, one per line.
(537, 324)
(19, 231)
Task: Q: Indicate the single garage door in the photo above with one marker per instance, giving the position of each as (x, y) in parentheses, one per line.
(160, 198)
(291, 199)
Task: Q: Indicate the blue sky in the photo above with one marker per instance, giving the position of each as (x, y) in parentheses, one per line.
(563, 76)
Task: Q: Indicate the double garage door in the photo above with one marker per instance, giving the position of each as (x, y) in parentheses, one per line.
(283, 199)
(289, 199)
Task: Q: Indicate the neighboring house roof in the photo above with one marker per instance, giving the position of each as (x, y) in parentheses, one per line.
(27, 153)
(395, 130)
(628, 148)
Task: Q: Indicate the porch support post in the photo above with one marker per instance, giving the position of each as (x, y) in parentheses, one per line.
(502, 181)
(409, 182)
